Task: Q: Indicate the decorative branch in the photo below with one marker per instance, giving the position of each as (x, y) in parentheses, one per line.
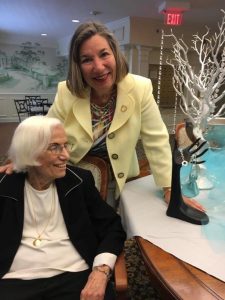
(203, 85)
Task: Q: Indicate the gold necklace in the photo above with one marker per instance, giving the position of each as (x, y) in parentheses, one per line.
(38, 240)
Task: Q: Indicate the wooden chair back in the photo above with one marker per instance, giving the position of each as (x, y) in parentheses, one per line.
(100, 171)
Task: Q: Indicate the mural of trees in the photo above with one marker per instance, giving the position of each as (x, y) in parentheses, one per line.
(28, 69)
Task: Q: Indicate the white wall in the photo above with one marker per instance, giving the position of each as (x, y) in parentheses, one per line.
(63, 46)
(147, 32)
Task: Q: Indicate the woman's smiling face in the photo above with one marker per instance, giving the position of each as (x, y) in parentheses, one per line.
(52, 165)
(98, 64)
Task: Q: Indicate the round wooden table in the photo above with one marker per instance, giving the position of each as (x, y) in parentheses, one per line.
(175, 279)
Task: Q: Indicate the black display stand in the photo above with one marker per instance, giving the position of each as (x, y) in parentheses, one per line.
(177, 207)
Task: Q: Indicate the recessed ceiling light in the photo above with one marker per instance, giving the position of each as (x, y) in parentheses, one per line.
(44, 34)
(75, 21)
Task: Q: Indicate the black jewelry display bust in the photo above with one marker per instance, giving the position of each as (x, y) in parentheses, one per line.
(177, 207)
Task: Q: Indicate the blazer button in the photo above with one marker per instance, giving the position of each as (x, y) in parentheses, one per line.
(111, 135)
(123, 108)
(115, 156)
(121, 175)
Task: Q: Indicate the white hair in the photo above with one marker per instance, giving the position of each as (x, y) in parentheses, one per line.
(30, 139)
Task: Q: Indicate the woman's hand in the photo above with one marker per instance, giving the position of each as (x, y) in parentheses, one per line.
(95, 286)
(191, 202)
(8, 168)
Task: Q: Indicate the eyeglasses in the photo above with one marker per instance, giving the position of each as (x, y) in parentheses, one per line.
(58, 148)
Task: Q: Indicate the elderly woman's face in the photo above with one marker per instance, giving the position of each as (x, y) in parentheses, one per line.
(53, 165)
(98, 64)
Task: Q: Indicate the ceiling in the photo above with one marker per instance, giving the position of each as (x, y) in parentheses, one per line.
(30, 18)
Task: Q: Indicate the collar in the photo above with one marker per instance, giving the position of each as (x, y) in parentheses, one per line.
(12, 186)
(68, 183)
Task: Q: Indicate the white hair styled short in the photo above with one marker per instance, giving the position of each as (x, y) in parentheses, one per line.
(30, 139)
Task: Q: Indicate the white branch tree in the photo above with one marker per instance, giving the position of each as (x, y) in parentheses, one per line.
(205, 84)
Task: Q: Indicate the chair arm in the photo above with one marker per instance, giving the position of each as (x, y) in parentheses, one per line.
(120, 277)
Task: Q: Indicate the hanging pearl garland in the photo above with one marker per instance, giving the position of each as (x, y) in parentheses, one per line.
(160, 67)
(159, 83)
(175, 114)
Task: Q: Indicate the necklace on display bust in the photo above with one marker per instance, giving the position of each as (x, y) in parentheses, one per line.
(38, 240)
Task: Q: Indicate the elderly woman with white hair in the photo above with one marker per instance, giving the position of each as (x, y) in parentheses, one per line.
(59, 240)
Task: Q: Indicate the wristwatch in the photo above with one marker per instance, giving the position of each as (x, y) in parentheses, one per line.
(104, 269)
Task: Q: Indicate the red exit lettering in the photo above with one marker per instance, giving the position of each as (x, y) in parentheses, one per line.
(173, 19)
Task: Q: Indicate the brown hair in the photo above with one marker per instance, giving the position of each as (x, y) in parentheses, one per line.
(75, 82)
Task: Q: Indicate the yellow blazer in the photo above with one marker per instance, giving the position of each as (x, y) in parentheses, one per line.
(136, 115)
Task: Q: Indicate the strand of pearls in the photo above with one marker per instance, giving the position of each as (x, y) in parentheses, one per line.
(160, 68)
(159, 83)
(175, 113)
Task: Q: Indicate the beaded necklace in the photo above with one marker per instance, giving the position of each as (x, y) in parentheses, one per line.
(102, 116)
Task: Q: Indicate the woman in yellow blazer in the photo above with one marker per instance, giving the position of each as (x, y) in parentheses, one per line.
(136, 114)
(105, 110)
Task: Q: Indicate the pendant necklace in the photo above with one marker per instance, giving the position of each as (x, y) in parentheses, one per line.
(38, 240)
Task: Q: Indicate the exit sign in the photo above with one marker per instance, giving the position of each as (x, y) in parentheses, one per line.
(173, 18)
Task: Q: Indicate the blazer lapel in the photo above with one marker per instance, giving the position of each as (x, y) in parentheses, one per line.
(82, 112)
(68, 183)
(125, 103)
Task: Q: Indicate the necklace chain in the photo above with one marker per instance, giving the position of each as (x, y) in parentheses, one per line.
(37, 241)
(184, 161)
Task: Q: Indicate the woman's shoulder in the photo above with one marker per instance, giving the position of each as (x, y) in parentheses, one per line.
(62, 83)
(63, 86)
(63, 91)
(13, 178)
(135, 80)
